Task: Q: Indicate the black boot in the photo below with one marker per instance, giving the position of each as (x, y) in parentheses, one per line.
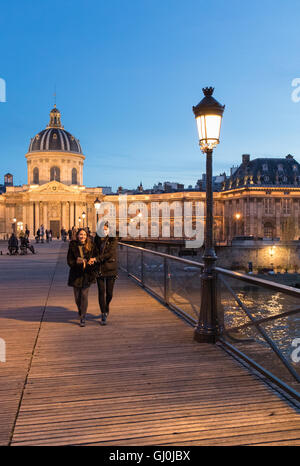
(82, 322)
(103, 318)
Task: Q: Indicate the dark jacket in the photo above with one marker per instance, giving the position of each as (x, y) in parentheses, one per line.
(80, 277)
(13, 242)
(107, 261)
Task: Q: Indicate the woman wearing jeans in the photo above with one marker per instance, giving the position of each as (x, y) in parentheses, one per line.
(81, 259)
(107, 268)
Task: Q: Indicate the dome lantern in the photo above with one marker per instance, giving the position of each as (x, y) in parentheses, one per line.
(55, 118)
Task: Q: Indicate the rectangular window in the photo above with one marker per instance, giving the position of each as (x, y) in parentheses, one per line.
(286, 206)
(268, 206)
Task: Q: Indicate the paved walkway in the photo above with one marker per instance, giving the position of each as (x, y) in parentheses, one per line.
(141, 380)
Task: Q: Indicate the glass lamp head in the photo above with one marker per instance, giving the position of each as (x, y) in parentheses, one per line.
(97, 204)
(208, 114)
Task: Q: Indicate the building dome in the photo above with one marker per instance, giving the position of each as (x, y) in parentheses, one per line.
(55, 155)
(55, 137)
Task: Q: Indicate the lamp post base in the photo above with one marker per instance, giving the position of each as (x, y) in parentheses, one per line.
(207, 328)
(204, 337)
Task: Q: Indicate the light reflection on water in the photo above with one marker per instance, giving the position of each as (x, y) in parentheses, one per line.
(262, 303)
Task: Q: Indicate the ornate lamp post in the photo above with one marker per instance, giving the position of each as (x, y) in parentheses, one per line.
(208, 114)
(97, 205)
(14, 225)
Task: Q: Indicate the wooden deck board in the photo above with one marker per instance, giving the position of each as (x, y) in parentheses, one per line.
(141, 380)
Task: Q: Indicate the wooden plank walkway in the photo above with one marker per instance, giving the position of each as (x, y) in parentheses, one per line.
(141, 380)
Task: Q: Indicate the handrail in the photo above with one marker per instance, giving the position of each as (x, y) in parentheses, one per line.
(260, 281)
(230, 273)
(163, 254)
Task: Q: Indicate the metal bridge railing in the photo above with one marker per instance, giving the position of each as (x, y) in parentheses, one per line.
(258, 319)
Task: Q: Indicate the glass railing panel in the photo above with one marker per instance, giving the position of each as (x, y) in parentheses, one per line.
(153, 277)
(134, 263)
(122, 257)
(184, 287)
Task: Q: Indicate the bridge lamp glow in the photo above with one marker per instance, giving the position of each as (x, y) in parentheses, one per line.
(238, 216)
(97, 204)
(272, 251)
(83, 215)
(208, 114)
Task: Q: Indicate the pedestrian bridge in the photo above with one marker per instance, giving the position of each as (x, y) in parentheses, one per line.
(141, 380)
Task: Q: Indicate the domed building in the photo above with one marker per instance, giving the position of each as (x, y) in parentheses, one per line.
(55, 155)
(54, 196)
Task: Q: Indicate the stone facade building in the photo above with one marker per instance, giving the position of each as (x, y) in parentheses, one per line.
(261, 198)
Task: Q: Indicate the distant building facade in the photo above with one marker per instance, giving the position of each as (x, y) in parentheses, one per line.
(260, 197)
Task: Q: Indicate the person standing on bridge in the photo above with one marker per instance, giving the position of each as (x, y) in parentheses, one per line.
(107, 270)
(81, 259)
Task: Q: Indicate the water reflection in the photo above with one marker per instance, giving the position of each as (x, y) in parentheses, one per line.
(261, 303)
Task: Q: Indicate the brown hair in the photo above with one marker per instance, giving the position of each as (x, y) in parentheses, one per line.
(88, 243)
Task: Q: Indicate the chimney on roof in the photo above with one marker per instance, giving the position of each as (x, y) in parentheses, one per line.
(245, 158)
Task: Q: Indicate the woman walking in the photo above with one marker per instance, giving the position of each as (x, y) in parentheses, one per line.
(107, 270)
(81, 259)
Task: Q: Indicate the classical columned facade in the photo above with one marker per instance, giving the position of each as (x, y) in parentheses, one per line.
(53, 205)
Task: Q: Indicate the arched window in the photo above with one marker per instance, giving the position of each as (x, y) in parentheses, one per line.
(36, 175)
(74, 176)
(54, 174)
(268, 230)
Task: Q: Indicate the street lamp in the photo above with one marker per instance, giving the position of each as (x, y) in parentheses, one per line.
(237, 217)
(79, 221)
(271, 252)
(83, 215)
(97, 205)
(208, 114)
(14, 225)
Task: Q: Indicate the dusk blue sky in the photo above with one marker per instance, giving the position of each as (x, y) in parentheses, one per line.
(127, 73)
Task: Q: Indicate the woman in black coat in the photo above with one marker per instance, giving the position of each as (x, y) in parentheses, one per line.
(81, 259)
(107, 270)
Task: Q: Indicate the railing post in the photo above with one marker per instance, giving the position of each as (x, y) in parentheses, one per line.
(142, 268)
(127, 248)
(166, 280)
